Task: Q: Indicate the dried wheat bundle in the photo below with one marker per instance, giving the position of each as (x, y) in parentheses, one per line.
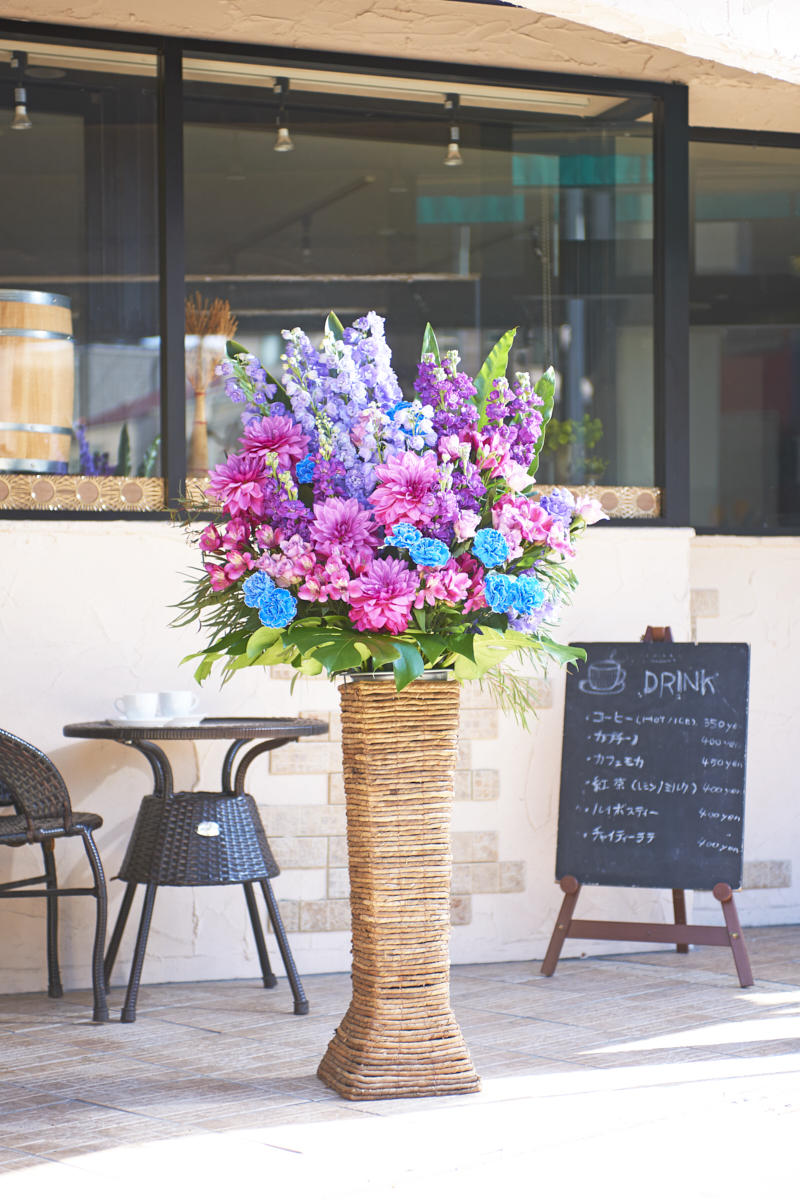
(209, 324)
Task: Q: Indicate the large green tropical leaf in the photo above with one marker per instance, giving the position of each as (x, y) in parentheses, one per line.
(408, 666)
(545, 390)
(495, 366)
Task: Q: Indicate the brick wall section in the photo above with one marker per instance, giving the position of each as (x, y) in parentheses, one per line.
(312, 837)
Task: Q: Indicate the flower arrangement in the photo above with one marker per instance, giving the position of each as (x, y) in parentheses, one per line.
(364, 530)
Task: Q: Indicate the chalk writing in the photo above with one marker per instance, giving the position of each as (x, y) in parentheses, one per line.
(653, 766)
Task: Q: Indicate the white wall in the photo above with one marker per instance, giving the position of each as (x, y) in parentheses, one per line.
(84, 612)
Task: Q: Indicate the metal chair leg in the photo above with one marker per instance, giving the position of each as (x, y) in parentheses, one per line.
(116, 936)
(128, 1015)
(54, 988)
(300, 1001)
(258, 933)
(98, 979)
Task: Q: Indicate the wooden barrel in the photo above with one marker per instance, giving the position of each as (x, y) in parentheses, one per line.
(37, 381)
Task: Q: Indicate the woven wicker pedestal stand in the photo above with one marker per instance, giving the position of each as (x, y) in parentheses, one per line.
(399, 1036)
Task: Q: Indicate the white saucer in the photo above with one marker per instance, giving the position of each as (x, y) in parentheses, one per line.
(193, 719)
(137, 722)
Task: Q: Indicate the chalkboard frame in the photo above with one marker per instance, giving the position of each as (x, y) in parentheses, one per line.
(696, 834)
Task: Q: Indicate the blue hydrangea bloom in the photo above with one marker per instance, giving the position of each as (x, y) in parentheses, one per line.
(530, 594)
(429, 552)
(490, 547)
(305, 469)
(277, 608)
(256, 587)
(404, 537)
(501, 591)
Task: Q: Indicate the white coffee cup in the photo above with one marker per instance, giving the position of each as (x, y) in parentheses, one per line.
(137, 706)
(176, 704)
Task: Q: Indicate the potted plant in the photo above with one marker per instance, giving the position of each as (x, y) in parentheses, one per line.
(397, 542)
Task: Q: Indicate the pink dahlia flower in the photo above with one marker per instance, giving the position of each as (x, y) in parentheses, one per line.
(239, 484)
(383, 596)
(406, 489)
(343, 527)
(280, 435)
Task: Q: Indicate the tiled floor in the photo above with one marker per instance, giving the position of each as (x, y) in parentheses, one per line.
(648, 1075)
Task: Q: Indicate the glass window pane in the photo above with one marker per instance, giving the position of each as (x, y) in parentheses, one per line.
(745, 336)
(79, 347)
(545, 223)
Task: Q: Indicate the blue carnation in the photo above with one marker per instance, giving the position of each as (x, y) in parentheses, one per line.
(429, 552)
(305, 469)
(501, 591)
(404, 537)
(277, 608)
(490, 547)
(256, 587)
(530, 594)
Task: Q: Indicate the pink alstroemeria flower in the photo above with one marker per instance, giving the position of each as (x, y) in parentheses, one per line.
(217, 576)
(210, 538)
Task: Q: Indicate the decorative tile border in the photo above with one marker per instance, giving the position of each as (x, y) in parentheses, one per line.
(636, 501)
(81, 493)
(110, 493)
(633, 501)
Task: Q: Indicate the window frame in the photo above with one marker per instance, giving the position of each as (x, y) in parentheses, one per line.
(671, 135)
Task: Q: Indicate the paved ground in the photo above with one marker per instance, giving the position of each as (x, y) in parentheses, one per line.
(646, 1076)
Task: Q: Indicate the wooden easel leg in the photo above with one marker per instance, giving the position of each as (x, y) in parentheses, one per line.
(679, 909)
(571, 889)
(723, 893)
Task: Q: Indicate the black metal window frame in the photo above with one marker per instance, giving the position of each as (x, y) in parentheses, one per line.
(743, 137)
(670, 227)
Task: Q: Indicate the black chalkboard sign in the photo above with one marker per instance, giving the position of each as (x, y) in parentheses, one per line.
(653, 765)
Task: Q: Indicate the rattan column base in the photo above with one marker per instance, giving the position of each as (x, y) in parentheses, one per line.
(399, 1036)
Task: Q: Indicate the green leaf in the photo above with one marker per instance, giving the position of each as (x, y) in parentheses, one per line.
(408, 666)
(495, 366)
(234, 348)
(148, 467)
(380, 649)
(341, 655)
(465, 669)
(430, 344)
(563, 655)
(310, 666)
(203, 670)
(280, 392)
(124, 451)
(545, 390)
(334, 327)
(259, 641)
(431, 646)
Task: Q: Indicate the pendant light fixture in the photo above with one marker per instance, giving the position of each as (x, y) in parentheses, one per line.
(453, 157)
(283, 140)
(21, 119)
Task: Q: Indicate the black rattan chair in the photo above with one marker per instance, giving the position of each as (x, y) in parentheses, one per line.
(32, 788)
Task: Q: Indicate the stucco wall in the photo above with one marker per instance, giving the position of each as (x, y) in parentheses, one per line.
(720, 94)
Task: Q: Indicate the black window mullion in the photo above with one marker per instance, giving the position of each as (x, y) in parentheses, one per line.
(671, 294)
(172, 266)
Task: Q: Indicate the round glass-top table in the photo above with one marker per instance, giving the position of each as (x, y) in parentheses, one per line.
(200, 838)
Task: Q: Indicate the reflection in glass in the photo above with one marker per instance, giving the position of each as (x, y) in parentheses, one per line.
(79, 273)
(745, 336)
(546, 225)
